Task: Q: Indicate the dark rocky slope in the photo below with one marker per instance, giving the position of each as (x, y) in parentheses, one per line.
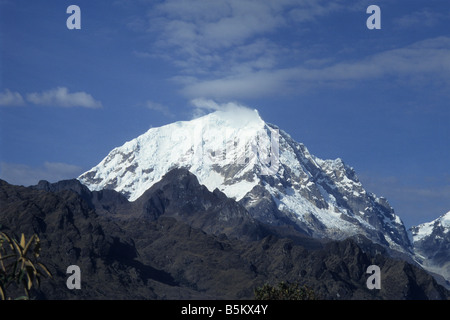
(180, 241)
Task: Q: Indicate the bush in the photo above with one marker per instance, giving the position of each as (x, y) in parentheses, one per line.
(18, 264)
(285, 291)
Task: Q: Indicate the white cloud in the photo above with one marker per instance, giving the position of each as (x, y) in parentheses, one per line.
(211, 105)
(8, 98)
(235, 112)
(61, 97)
(428, 58)
(20, 174)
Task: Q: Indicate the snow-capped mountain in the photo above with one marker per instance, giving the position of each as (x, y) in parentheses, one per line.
(431, 242)
(274, 177)
(438, 228)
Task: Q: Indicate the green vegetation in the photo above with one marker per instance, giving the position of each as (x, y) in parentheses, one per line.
(285, 291)
(18, 264)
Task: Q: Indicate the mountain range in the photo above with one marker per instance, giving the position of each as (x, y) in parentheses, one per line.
(181, 241)
(213, 207)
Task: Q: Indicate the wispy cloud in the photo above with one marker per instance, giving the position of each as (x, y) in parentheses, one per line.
(203, 106)
(61, 97)
(233, 48)
(224, 36)
(57, 97)
(9, 98)
(199, 26)
(422, 18)
(26, 175)
(155, 106)
(421, 63)
(235, 113)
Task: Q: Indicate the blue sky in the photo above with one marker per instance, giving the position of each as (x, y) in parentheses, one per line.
(378, 99)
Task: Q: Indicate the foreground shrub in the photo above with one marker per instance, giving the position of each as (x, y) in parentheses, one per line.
(19, 265)
(285, 291)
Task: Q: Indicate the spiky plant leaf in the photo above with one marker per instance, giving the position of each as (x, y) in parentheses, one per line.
(45, 269)
(25, 250)
(22, 241)
(2, 293)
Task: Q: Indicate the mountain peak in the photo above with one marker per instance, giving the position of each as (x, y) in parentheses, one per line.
(222, 139)
(273, 176)
(424, 230)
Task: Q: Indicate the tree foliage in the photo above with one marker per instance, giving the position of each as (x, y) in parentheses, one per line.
(19, 265)
(285, 291)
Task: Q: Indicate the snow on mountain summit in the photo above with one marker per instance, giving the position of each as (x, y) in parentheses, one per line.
(259, 165)
(425, 230)
(220, 139)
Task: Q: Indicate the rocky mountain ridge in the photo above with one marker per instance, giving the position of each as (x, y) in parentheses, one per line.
(149, 249)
